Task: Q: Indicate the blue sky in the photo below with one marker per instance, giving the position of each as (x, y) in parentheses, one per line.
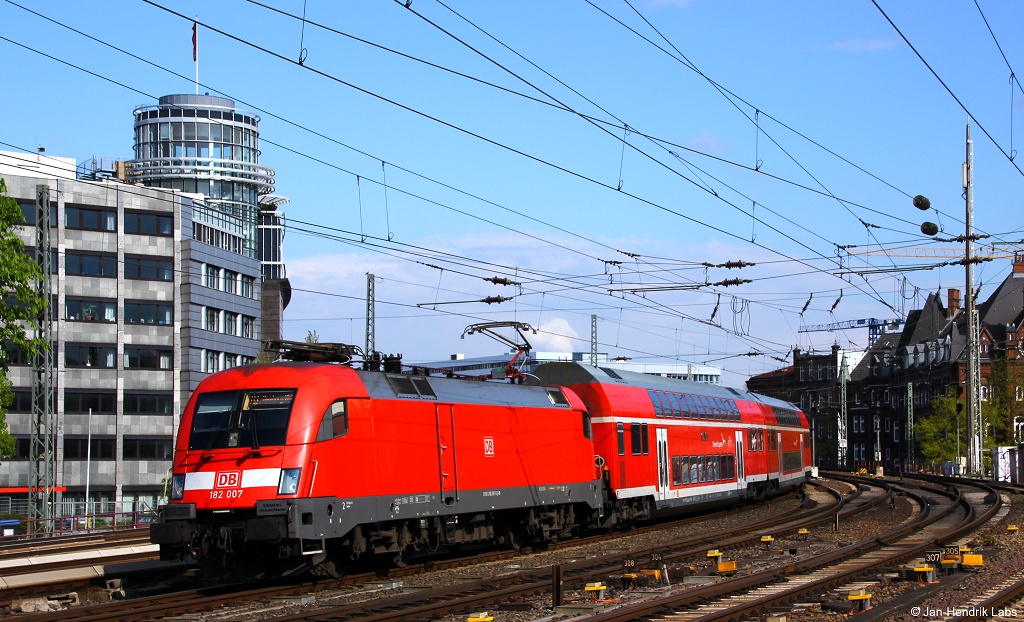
(517, 168)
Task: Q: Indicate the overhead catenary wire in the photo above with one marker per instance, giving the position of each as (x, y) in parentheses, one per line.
(386, 189)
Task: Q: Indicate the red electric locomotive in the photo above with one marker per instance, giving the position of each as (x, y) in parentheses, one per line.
(290, 467)
(286, 467)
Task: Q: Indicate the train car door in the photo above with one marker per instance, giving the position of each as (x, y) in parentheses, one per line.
(446, 459)
(739, 460)
(662, 440)
(778, 445)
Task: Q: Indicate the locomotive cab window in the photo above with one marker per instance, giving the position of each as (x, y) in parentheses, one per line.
(254, 419)
(335, 421)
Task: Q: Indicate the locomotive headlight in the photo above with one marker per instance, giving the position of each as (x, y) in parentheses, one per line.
(289, 484)
(178, 486)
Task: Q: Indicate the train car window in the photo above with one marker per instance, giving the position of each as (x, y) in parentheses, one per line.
(691, 410)
(773, 442)
(636, 439)
(701, 473)
(621, 433)
(735, 410)
(693, 470)
(643, 438)
(712, 468)
(709, 411)
(677, 471)
(588, 431)
(728, 466)
(751, 440)
(557, 397)
(658, 409)
(334, 422)
(760, 440)
(677, 406)
(684, 464)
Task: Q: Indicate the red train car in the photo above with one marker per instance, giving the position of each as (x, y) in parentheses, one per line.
(668, 444)
(315, 465)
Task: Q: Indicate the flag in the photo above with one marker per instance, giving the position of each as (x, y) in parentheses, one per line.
(195, 42)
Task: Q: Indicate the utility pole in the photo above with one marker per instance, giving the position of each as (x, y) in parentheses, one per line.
(910, 427)
(841, 429)
(43, 445)
(370, 319)
(974, 449)
(593, 340)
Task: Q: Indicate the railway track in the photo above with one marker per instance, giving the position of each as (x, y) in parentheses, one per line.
(524, 584)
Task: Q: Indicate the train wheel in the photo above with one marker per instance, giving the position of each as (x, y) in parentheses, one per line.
(515, 536)
(402, 558)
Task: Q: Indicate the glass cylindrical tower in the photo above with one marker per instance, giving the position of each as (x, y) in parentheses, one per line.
(202, 144)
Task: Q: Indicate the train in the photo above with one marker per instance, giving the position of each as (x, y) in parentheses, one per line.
(317, 466)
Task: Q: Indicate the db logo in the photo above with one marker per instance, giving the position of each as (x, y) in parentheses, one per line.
(488, 446)
(228, 479)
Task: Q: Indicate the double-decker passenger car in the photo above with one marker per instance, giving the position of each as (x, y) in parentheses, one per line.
(667, 444)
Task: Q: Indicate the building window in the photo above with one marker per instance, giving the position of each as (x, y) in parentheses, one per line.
(248, 287)
(80, 448)
(230, 284)
(248, 327)
(896, 432)
(211, 319)
(211, 361)
(984, 393)
(147, 358)
(90, 219)
(1018, 394)
(28, 210)
(90, 265)
(140, 448)
(148, 224)
(212, 275)
(230, 323)
(90, 310)
(148, 403)
(81, 403)
(147, 268)
(148, 313)
(83, 355)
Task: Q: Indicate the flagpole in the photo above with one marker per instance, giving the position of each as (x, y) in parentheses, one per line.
(195, 51)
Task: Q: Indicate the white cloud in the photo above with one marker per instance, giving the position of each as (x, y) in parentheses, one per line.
(556, 334)
(858, 45)
(708, 143)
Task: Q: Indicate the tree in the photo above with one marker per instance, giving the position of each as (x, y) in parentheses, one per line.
(937, 435)
(19, 307)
